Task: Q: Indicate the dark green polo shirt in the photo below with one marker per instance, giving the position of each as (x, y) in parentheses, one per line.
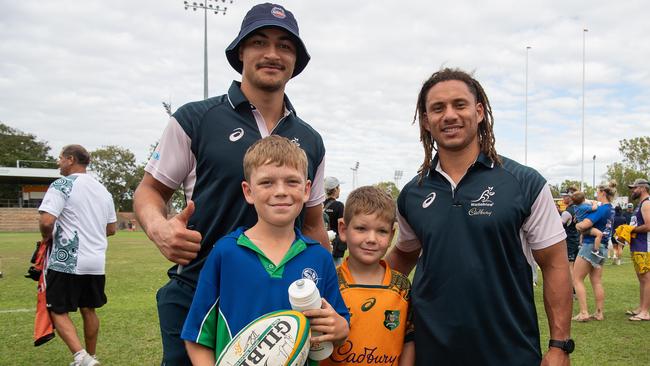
(472, 290)
(221, 129)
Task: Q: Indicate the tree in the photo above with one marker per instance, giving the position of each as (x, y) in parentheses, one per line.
(636, 153)
(588, 190)
(555, 190)
(389, 187)
(18, 145)
(569, 184)
(116, 170)
(623, 174)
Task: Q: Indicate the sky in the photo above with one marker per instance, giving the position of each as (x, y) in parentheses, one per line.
(96, 73)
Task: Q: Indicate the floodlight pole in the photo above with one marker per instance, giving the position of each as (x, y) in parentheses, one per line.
(354, 175)
(526, 112)
(398, 176)
(594, 176)
(205, 6)
(582, 168)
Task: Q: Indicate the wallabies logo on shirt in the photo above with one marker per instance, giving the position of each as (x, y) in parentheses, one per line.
(391, 319)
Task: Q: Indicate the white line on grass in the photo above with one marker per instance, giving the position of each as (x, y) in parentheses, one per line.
(17, 311)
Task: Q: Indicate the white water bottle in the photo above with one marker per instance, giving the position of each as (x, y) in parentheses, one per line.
(304, 295)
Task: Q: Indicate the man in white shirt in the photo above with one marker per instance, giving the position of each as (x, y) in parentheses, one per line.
(77, 214)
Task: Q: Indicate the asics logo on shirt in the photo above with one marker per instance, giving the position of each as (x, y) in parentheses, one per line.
(368, 304)
(236, 134)
(429, 200)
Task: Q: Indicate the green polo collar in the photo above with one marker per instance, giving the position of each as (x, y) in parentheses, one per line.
(276, 271)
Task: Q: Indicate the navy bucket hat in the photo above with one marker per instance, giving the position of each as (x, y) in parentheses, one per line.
(268, 15)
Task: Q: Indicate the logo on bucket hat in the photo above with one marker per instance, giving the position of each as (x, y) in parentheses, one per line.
(278, 12)
(268, 15)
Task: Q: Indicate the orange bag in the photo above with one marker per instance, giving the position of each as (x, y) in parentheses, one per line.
(43, 327)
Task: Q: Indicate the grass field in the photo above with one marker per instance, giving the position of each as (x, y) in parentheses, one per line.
(135, 269)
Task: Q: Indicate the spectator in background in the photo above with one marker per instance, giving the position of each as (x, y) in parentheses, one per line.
(629, 212)
(590, 263)
(569, 222)
(582, 208)
(77, 214)
(640, 247)
(334, 211)
(617, 247)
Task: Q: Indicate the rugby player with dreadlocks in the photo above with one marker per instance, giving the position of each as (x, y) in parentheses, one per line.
(472, 221)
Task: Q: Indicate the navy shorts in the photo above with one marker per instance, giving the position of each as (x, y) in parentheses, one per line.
(65, 292)
(572, 250)
(174, 300)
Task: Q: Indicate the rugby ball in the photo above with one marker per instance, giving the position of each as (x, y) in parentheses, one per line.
(279, 338)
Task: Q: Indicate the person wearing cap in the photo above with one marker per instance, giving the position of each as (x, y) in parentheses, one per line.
(569, 222)
(617, 247)
(568, 217)
(334, 211)
(202, 150)
(640, 246)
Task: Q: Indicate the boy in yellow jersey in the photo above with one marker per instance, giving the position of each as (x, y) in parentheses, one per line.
(377, 297)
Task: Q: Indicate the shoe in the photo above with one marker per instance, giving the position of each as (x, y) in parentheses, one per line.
(618, 262)
(596, 317)
(630, 312)
(89, 360)
(580, 318)
(636, 318)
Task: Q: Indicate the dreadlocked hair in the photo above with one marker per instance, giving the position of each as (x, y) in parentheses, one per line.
(485, 129)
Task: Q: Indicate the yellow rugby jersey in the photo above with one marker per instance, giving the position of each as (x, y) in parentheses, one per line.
(380, 319)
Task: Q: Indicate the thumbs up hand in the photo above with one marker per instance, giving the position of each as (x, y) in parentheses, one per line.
(174, 240)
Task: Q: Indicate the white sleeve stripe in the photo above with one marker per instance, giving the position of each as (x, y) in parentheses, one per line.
(226, 322)
(205, 318)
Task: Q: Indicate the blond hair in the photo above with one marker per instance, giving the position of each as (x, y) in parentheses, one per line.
(276, 150)
(609, 189)
(369, 200)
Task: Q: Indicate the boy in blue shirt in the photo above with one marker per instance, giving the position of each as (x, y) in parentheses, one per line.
(583, 207)
(248, 272)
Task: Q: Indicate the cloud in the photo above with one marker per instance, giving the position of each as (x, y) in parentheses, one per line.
(96, 73)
